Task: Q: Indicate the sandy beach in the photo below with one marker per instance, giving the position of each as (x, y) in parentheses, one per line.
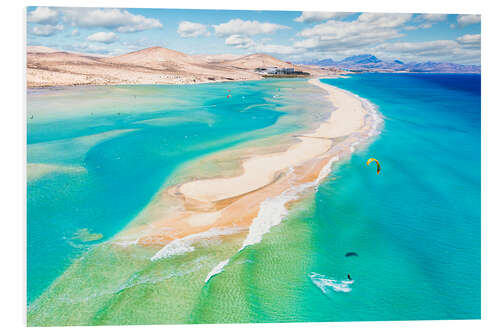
(261, 170)
(197, 207)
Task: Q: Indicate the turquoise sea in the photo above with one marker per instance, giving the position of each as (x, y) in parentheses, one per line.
(415, 227)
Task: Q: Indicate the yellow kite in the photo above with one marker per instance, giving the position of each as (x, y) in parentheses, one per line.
(374, 160)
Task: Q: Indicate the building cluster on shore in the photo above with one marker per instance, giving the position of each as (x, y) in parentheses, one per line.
(279, 71)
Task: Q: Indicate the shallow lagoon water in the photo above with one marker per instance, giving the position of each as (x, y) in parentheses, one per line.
(125, 141)
(415, 227)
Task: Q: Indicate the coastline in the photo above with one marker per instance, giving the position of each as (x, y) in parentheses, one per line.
(203, 208)
(33, 86)
(48, 86)
(145, 83)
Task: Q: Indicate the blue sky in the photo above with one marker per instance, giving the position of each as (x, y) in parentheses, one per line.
(287, 35)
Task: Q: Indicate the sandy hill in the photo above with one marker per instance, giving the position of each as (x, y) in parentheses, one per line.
(155, 57)
(180, 65)
(154, 65)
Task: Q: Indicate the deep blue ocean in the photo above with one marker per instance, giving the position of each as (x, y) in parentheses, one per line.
(416, 227)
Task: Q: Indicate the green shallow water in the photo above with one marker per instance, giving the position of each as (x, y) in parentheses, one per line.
(261, 284)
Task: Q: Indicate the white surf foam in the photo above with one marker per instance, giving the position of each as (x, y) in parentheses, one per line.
(217, 269)
(186, 244)
(327, 285)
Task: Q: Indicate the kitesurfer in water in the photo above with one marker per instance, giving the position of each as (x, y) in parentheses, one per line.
(349, 277)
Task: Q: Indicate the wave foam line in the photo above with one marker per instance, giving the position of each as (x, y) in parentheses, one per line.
(185, 245)
(217, 269)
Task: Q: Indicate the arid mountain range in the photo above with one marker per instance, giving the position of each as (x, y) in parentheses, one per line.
(370, 63)
(154, 65)
(158, 65)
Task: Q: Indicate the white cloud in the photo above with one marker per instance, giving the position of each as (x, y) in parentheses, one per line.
(334, 36)
(75, 32)
(373, 32)
(247, 28)
(46, 29)
(368, 29)
(308, 17)
(192, 29)
(420, 26)
(275, 48)
(384, 20)
(470, 41)
(425, 21)
(437, 50)
(119, 19)
(433, 17)
(425, 48)
(239, 41)
(369, 33)
(243, 42)
(103, 37)
(464, 20)
(43, 15)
